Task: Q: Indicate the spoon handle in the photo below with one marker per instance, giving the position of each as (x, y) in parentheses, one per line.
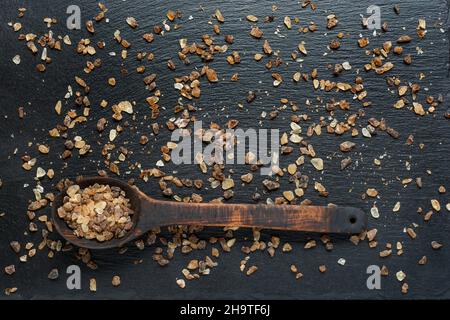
(281, 217)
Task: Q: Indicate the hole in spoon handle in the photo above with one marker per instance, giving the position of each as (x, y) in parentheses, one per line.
(348, 220)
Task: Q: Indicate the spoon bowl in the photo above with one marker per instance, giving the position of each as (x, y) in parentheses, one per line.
(151, 213)
(67, 233)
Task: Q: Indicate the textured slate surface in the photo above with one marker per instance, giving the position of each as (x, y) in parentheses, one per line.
(22, 86)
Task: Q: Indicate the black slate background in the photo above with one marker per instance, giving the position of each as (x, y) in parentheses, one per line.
(21, 85)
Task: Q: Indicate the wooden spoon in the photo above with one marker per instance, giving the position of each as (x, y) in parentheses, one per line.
(150, 213)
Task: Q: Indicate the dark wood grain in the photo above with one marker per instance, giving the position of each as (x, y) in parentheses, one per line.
(37, 92)
(279, 217)
(150, 213)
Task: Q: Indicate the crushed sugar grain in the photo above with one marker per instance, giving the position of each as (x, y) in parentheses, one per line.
(100, 212)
